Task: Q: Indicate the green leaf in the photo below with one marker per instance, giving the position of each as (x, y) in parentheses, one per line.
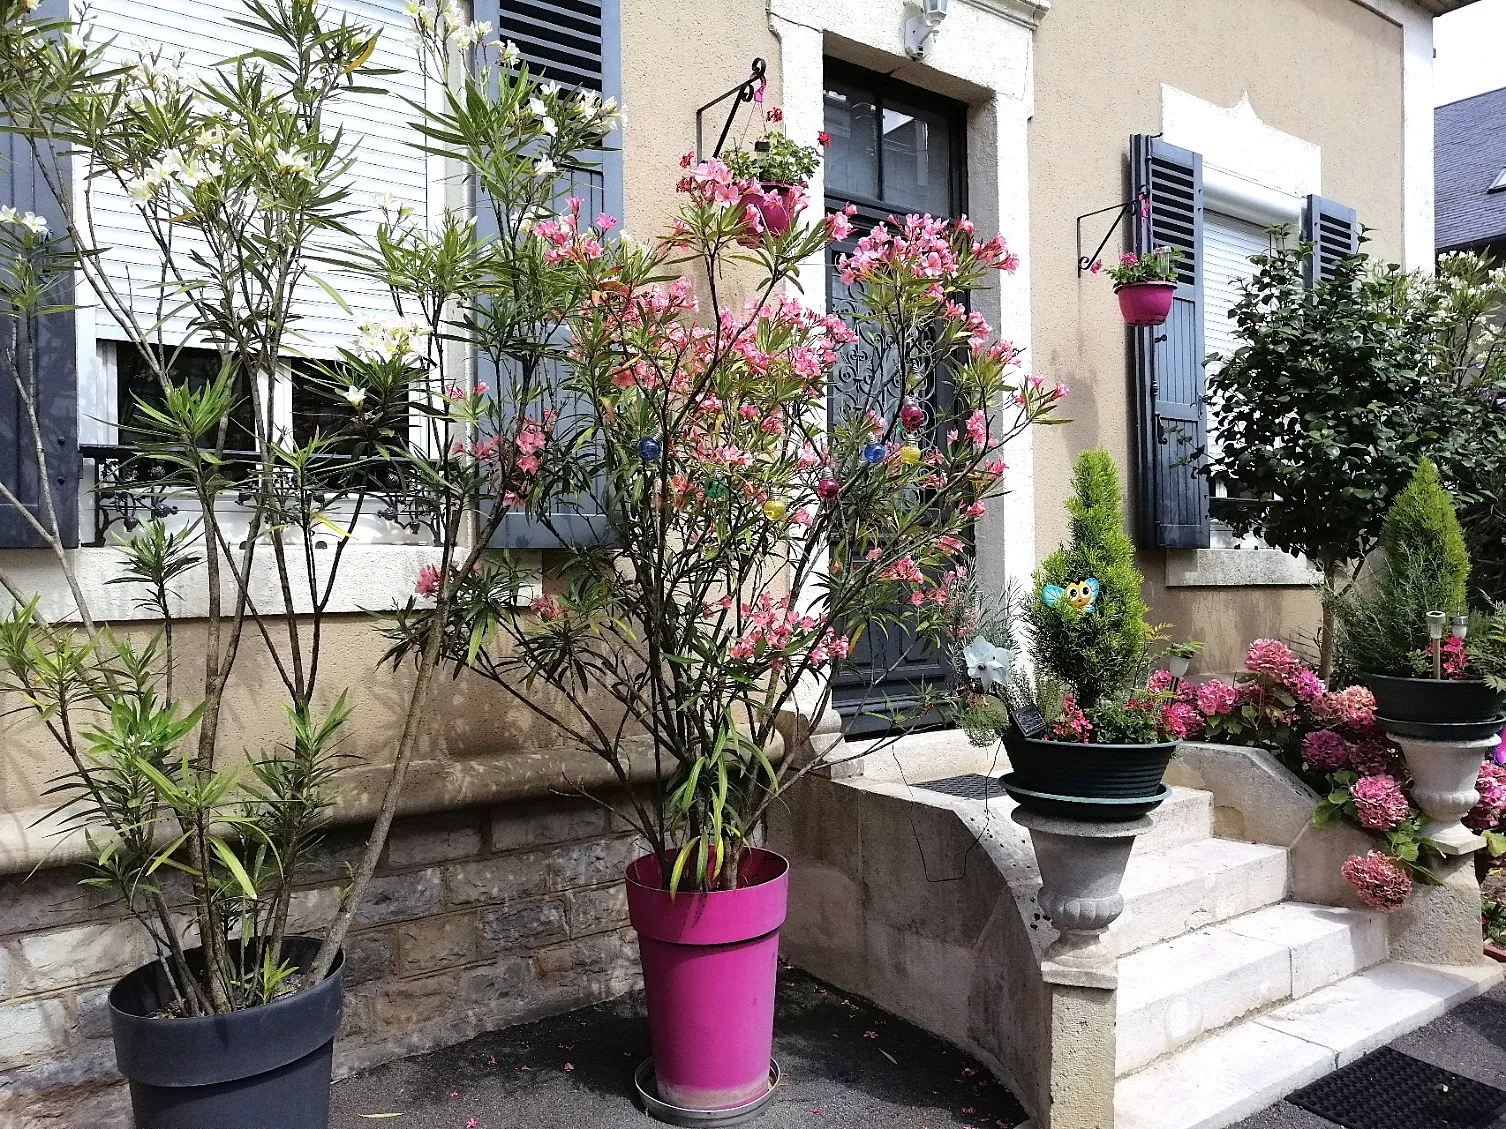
(233, 864)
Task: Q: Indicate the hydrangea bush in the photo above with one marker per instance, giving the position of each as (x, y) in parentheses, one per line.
(1331, 739)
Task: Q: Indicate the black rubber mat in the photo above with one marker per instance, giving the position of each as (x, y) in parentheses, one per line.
(1389, 1090)
(972, 787)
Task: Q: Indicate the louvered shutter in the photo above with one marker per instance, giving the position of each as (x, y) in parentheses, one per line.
(55, 376)
(1334, 232)
(572, 42)
(1170, 413)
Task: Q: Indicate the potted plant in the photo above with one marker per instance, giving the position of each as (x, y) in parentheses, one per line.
(741, 539)
(202, 840)
(777, 170)
(1087, 738)
(1435, 670)
(1145, 284)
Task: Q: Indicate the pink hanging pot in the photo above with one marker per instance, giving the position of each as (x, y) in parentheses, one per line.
(776, 206)
(710, 968)
(1145, 303)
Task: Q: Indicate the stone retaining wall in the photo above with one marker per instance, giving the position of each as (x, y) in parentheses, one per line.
(476, 920)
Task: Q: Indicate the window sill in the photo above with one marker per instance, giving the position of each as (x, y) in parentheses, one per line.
(372, 578)
(1237, 568)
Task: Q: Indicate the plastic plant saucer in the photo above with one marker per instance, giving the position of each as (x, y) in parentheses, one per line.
(661, 1110)
(1443, 730)
(1098, 810)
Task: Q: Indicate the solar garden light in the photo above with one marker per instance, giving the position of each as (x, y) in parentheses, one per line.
(1459, 627)
(921, 29)
(1436, 622)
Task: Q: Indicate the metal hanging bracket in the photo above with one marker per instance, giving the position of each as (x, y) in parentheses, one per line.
(749, 90)
(1142, 201)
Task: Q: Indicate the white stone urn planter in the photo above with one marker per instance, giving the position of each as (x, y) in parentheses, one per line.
(1443, 784)
(1082, 865)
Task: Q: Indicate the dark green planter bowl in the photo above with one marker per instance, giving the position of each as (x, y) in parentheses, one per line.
(1091, 772)
(1435, 701)
(1079, 807)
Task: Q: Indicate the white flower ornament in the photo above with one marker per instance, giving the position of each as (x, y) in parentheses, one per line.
(986, 663)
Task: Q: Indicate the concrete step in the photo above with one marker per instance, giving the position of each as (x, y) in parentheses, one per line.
(1171, 892)
(1185, 816)
(1231, 1074)
(1174, 992)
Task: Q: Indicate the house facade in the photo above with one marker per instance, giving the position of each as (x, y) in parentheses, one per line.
(498, 899)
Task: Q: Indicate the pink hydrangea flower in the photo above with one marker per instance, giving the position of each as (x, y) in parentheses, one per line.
(1326, 750)
(1270, 656)
(1350, 708)
(1491, 784)
(1378, 879)
(1216, 699)
(1371, 756)
(1378, 802)
(1181, 721)
(1305, 685)
(1160, 682)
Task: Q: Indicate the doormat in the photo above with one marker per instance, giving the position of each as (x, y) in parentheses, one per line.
(1390, 1090)
(972, 787)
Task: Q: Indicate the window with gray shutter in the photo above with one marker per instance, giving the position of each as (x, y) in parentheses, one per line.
(1333, 231)
(574, 43)
(1170, 414)
(48, 365)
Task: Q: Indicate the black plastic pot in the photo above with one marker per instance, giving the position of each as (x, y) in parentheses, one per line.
(265, 1067)
(1444, 701)
(1094, 772)
(1081, 807)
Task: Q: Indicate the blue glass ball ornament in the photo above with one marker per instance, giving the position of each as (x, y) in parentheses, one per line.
(649, 449)
(873, 453)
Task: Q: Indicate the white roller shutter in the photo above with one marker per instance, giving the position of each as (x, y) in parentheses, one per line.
(386, 162)
(1228, 244)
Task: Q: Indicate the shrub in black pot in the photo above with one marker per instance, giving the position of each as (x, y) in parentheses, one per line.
(1434, 669)
(1086, 737)
(264, 1065)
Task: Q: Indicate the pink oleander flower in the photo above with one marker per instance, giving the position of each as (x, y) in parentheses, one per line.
(1304, 684)
(1351, 708)
(1378, 802)
(1326, 750)
(546, 607)
(428, 581)
(1181, 721)
(1216, 699)
(1379, 880)
(1270, 656)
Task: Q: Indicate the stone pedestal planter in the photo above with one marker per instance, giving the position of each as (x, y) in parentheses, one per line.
(1443, 784)
(1082, 865)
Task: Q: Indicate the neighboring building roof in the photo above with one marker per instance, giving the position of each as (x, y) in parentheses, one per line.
(1441, 7)
(1469, 157)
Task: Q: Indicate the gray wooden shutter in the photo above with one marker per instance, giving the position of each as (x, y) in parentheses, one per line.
(1334, 232)
(574, 43)
(1170, 412)
(56, 377)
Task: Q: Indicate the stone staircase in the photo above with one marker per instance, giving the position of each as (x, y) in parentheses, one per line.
(1232, 996)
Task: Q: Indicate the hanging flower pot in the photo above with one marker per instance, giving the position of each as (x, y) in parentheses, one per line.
(710, 965)
(264, 1067)
(776, 206)
(1145, 303)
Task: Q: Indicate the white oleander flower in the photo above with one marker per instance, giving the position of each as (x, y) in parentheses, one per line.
(9, 214)
(537, 108)
(550, 127)
(33, 223)
(510, 53)
(293, 163)
(546, 167)
(354, 396)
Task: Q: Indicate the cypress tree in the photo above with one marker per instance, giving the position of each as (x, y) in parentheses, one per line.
(1102, 653)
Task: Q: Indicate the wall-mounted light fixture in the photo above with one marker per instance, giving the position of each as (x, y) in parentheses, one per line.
(921, 29)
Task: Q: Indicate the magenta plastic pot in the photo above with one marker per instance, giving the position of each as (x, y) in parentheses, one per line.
(710, 965)
(1145, 303)
(776, 206)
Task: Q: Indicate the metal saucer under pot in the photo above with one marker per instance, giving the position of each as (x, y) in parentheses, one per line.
(660, 1110)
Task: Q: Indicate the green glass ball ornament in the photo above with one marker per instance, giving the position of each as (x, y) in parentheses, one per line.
(716, 489)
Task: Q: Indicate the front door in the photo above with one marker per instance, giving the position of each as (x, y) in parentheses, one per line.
(894, 149)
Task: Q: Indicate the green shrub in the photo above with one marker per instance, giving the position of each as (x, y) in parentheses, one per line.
(1425, 567)
(1102, 653)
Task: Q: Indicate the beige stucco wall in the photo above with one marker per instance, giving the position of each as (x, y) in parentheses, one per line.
(1327, 71)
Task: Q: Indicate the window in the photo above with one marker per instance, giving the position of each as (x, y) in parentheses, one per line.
(1499, 184)
(136, 384)
(894, 149)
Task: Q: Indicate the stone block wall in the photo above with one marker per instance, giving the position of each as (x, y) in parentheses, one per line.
(477, 919)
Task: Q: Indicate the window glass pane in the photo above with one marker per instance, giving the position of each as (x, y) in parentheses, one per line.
(137, 385)
(852, 158)
(917, 159)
